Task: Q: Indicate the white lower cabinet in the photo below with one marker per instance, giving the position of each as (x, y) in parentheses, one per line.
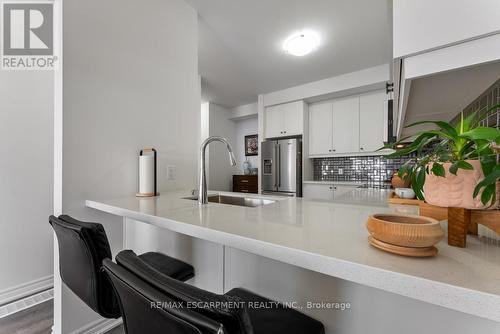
(318, 191)
(325, 191)
(341, 190)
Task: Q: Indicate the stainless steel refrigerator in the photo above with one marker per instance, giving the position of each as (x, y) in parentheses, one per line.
(282, 167)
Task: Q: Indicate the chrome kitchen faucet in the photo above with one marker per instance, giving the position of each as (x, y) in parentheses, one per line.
(202, 193)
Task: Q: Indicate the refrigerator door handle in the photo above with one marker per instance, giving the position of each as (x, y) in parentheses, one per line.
(279, 163)
(276, 166)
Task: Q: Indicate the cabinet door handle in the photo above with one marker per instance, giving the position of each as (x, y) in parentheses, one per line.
(333, 150)
(244, 190)
(331, 188)
(244, 181)
(361, 148)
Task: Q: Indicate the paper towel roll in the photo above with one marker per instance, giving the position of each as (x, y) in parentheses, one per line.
(146, 174)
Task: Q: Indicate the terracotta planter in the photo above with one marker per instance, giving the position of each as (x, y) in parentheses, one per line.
(398, 182)
(456, 190)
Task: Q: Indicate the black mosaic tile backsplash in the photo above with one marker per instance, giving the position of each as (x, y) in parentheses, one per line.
(374, 170)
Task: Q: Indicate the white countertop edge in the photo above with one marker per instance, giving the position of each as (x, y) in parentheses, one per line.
(442, 294)
(347, 183)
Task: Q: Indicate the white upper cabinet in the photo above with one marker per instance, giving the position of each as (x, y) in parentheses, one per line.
(274, 121)
(284, 120)
(320, 125)
(346, 125)
(447, 22)
(372, 120)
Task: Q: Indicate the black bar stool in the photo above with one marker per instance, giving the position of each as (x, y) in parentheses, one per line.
(82, 248)
(140, 287)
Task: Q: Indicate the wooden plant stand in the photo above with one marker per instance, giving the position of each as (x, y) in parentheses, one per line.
(460, 221)
(465, 221)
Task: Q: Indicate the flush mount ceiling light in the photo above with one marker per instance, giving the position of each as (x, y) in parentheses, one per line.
(301, 43)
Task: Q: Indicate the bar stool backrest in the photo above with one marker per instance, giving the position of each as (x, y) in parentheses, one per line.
(82, 248)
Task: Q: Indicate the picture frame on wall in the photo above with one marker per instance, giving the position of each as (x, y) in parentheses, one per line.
(251, 145)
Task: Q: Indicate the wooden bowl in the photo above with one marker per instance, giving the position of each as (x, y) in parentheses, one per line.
(405, 230)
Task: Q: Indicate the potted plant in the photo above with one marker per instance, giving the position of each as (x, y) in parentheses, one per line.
(455, 165)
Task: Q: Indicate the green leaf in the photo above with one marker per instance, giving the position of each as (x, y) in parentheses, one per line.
(445, 126)
(442, 134)
(460, 165)
(414, 146)
(406, 170)
(482, 132)
(465, 149)
(489, 180)
(438, 169)
(488, 164)
(465, 124)
(482, 145)
(418, 181)
(488, 195)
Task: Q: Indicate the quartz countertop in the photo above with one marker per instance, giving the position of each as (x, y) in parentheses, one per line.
(366, 196)
(331, 238)
(347, 183)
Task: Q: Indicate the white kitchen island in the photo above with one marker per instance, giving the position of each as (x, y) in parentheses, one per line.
(330, 239)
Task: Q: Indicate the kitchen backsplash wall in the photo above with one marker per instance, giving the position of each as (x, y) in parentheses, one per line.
(371, 169)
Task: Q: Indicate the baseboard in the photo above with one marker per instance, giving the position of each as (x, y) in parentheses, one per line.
(26, 289)
(26, 303)
(100, 326)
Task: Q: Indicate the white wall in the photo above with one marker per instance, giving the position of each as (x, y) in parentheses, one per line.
(420, 25)
(244, 111)
(351, 83)
(26, 200)
(130, 81)
(220, 171)
(245, 127)
(234, 124)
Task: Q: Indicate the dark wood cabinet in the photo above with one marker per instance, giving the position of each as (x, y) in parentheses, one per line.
(246, 184)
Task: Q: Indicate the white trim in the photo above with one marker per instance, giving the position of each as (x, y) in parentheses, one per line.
(475, 52)
(58, 158)
(100, 326)
(26, 303)
(367, 79)
(352, 154)
(26, 289)
(403, 104)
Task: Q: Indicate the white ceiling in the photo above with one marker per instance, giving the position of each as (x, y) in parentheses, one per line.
(443, 96)
(240, 47)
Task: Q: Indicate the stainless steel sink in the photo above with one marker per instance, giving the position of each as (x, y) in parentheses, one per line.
(233, 200)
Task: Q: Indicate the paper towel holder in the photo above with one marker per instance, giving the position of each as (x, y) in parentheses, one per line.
(155, 193)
